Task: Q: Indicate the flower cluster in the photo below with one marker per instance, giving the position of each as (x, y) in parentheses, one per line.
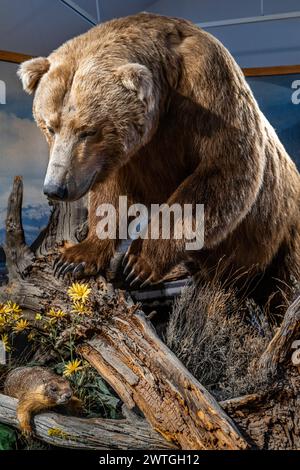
(11, 320)
(49, 326)
(79, 294)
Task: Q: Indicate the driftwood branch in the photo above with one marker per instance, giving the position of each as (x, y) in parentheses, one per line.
(79, 433)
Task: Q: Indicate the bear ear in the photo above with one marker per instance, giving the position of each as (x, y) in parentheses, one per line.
(31, 71)
(138, 78)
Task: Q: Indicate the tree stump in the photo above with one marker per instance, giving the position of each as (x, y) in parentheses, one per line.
(126, 351)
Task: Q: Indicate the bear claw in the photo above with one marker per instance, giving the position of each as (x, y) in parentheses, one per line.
(146, 282)
(57, 265)
(62, 268)
(68, 268)
(79, 268)
(135, 280)
(130, 275)
(125, 258)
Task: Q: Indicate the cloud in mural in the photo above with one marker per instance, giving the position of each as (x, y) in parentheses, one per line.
(23, 151)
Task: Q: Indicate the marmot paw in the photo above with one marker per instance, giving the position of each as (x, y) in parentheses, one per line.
(26, 431)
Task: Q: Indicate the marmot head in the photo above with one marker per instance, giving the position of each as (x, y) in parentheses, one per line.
(95, 115)
(58, 391)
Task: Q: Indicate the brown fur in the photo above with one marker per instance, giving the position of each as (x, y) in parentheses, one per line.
(38, 388)
(176, 122)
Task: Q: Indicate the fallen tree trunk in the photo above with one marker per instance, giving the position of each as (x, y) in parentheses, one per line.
(93, 433)
(129, 355)
(144, 372)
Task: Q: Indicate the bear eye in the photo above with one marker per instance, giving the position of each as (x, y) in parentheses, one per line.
(86, 134)
(50, 130)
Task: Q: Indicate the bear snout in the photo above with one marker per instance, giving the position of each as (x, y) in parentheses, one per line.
(56, 192)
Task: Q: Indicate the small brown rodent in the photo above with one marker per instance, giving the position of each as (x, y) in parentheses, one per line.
(38, 388)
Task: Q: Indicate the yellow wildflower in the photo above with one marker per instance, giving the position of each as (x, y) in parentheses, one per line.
(11, 307)
(38, 317)
(71, 367)
(5, 342)
(79, 292)
(81, 309)
(3, 321)
(56, 313)
(3, 309)
(21, 325)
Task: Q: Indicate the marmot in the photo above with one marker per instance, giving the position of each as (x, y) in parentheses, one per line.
(38, 388)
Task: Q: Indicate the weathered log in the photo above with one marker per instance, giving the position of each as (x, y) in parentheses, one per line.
(144, 372)
(18, 254)
(280, 347)
(92, 433)
(270, 419)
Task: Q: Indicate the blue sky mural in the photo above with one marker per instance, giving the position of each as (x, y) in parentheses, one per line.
(23, 151)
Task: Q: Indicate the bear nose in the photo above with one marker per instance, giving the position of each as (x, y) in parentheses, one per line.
(54, 191)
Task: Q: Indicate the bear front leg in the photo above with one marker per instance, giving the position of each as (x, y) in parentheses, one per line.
(227, 199)
(148, 261)
(86, 258)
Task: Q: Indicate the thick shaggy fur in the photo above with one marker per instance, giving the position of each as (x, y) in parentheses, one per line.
(175, 122)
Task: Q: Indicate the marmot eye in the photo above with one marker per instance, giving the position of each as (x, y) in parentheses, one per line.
(51, 130)
(86, 134)
(53, 388)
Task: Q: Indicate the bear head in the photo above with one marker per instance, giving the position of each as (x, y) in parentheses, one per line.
(95, 117)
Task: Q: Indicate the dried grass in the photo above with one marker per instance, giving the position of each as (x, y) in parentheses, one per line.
(219, 339)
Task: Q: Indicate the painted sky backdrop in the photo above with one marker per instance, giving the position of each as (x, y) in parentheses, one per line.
(274, 96)
(23, 150)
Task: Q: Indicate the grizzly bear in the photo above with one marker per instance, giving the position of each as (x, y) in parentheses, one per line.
(156, 109)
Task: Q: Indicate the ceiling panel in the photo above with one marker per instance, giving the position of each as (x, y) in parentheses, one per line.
(89, 6)
(280, 6)
(207, 10)
(36, 27)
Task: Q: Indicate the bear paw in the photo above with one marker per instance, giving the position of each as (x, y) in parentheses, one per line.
(138, 271)
(75, 261)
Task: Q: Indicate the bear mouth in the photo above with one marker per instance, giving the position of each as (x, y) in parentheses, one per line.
(72, 190)
(86, 189)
